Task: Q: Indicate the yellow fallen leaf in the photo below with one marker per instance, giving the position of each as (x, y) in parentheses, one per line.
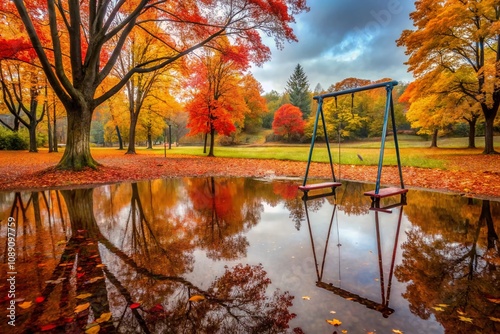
(465, 319)
(306, 297)
(95, 279)
(104, 317)
(494, 319)
(439, 309)
(92, 328)
(333, 312)
(443, 305)
(344, 331)
(397, 331)
(460, 312)
(494, 300)
(196, 298)
(101, 266)
(82, 307)
(334, 322)
(25, 305)
(84, 295)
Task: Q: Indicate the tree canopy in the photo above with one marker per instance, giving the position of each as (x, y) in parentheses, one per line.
(298, 89)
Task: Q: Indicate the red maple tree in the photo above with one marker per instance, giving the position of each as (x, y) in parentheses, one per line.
(288, 121)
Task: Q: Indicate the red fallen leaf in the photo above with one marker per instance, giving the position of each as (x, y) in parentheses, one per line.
(39, 299)
(134, 305)
(48, 327)
(69, 320)
(79, 275)
(157, 308)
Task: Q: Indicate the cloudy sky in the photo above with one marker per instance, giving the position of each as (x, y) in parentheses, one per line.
(340, 39)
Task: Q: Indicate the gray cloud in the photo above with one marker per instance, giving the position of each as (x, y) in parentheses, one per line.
(340, 39)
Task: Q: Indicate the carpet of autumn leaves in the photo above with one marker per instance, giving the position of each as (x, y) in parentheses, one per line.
(470, 175)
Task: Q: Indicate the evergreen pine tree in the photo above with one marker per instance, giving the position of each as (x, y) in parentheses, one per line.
(298, 89)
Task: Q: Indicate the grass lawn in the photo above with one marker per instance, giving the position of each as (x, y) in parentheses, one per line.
(414, 151)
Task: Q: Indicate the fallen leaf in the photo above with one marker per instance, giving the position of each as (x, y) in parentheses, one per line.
(465, 319)
(92, 328)
(95, 279)
(344, 331)
(47, 327)
(101, 266)
(39, 299)
(494, 300)
(25, 305)
(196, 298)
(104, 317)
(134, 305)
(334, 322)
(61, 242)
(306, 297)
(84, 296)
(439, 309)
(460, 312)
(443, 305)
(333, 312)
(82, 307)
(494, 319)
(397, 331)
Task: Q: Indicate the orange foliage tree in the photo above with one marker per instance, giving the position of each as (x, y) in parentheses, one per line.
(85, 39)
(218, 104)
(288, 121)
(462, 39)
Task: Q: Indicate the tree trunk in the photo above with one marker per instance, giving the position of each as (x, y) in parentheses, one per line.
(150, 140)
(212, 143)
(49, 131)
(77, 153)
(489, 134)
(54, 137)
(120, 140)
(131, 134)
(205, 139)
(32, 131)
(472, 132)
(434, 141)
(80, 204)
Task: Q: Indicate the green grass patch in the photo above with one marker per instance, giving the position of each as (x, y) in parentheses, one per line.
(414, 151)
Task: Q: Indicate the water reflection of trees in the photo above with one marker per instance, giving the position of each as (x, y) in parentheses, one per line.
(451, 261)
(138, 253)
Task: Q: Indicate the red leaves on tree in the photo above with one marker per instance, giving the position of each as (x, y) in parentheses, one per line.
(16, 49)
(288, 121)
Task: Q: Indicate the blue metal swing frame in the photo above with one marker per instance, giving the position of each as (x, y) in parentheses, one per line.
(378, 193)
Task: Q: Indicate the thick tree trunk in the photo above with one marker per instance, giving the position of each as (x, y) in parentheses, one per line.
(32, 131)
(150, 140)
(80, 204)
(434, 141)
(489, 134)
(54, 137)
(205, 139)
(472, 132)
(131, 134)
(120, 140)
(49, 132)
(212, 143)
(77, 153)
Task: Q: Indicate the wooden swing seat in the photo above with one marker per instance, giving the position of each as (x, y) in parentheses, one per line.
(386, 192)
(322, 185)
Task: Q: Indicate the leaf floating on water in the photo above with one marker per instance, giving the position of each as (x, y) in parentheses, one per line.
(333, 312)
(104, 317)
(438, 309)
(83, 296)
(101, 266)
(82, 307)
(196, 298)
(95, 279)
(344, 331)
(92, 328)
(25, 305)
(397, 331)
(465, 319)
(494, 319)
(39, 299)
(443, 305)
(460, 312)
(47, 327)
(57, 281)
(334, 322)
(134, 305)
(306, 297)
(494, 300)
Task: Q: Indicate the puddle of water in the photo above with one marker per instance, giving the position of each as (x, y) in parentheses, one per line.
(236, 255)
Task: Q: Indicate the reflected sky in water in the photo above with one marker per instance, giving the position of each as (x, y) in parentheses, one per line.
(237, 255)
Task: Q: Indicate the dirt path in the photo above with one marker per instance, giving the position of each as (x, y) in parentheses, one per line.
(474, 175)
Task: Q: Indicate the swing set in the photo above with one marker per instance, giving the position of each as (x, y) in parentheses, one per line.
(377, 194)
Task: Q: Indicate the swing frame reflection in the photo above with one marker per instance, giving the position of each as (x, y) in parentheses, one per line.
(385, 291)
